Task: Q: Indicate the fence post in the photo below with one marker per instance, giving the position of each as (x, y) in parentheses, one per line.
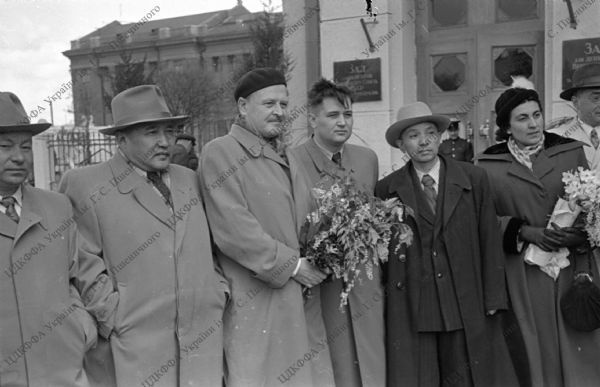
(42, 163)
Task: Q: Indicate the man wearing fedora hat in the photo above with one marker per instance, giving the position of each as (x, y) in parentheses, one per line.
(146, 219)
(585, 96)
(443, 290)
(247, 184)
(45, 329)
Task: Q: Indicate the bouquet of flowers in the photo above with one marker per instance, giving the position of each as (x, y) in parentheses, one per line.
(350, 230)
(582, 188)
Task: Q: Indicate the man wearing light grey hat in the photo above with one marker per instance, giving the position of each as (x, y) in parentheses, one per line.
(45, 330)
(444, 290)
(145, 218)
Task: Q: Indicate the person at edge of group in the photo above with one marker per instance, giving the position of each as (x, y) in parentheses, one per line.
(445, 290)
(358, 353)
(183, 152)
(247, 184)
(526, 177)
(45, 274)
(585, 96)
(145, 218)
(456, 147)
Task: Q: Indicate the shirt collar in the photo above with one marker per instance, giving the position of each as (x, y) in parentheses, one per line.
(434, 172)
(18, 195)
(163, 174)
(327, 153)
(587, 128)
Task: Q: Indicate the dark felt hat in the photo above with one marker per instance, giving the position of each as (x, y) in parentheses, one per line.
(412, 114)
(258, 79)
(140, 105)
(585, 77)
(13, 117)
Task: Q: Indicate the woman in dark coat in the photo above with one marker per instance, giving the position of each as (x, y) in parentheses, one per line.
(526, 177)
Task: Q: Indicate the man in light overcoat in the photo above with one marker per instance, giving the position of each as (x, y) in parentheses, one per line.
(246, 181)
(358, 352)
(44, 328)
(146, 219)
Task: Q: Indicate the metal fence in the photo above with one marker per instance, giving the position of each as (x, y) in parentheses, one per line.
(67, 149)
(58, 151)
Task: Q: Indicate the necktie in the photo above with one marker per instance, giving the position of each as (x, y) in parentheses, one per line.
(337, 158)
(160, 185)
(594, 138)
(11, 212)
(430, 193)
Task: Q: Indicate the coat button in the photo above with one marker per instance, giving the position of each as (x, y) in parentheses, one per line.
(440, 275)
(434, 253)
(400, 285)
(402, 258)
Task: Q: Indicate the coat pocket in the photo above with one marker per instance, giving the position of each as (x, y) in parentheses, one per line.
(121, 312)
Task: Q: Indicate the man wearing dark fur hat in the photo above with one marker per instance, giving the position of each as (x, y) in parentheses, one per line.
(145, 217)
(246, 181)
(585, 96)
(45, 330)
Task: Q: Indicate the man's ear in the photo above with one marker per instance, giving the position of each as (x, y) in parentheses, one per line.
(242, 104)
(312, 120)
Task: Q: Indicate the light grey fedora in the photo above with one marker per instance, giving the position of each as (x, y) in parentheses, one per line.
(139, 105)
(412, 114)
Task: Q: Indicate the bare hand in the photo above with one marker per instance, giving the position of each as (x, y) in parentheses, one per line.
(539, 237)
(309, 275)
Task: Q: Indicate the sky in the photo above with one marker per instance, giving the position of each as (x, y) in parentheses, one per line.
(34, 33)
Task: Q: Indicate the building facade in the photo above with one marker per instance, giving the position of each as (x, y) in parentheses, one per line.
(216, 43)
(456, 55)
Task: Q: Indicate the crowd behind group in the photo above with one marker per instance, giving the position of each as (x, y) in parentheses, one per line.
(141, 272)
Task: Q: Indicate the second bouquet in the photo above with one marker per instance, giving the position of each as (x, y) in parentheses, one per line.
(350, 230)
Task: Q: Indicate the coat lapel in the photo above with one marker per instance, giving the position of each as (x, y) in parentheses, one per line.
(403, 186)
(521, 172)
(321, 162)
(455, 185)
(181, 197)
(128, 180)
(8, 228)
(254, 145)
(31, 213)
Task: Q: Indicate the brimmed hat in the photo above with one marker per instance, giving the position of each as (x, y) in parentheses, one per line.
(139, 105)
(412, 114)
(13, 117)
(585, 77)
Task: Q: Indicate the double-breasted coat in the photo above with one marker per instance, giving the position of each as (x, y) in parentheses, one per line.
(363, 341)
(167, 329)
(557, 355)
(44, 329)
(252, 215)
(471, 234)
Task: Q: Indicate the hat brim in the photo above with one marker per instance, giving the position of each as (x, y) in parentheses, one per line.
(395, 130)
(114, 129)
(568, 94)
(28, 128)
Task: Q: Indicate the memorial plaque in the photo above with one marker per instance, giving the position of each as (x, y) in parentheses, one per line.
(363, 77)
(577, 53)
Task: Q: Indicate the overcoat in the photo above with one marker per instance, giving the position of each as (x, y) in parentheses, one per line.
(168, 324)
(363, 341)
(251, 211)
(44, 329)
(471, 234)
(557, 355)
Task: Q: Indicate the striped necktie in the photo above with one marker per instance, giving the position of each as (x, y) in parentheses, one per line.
(9, 203)
(594, 138)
